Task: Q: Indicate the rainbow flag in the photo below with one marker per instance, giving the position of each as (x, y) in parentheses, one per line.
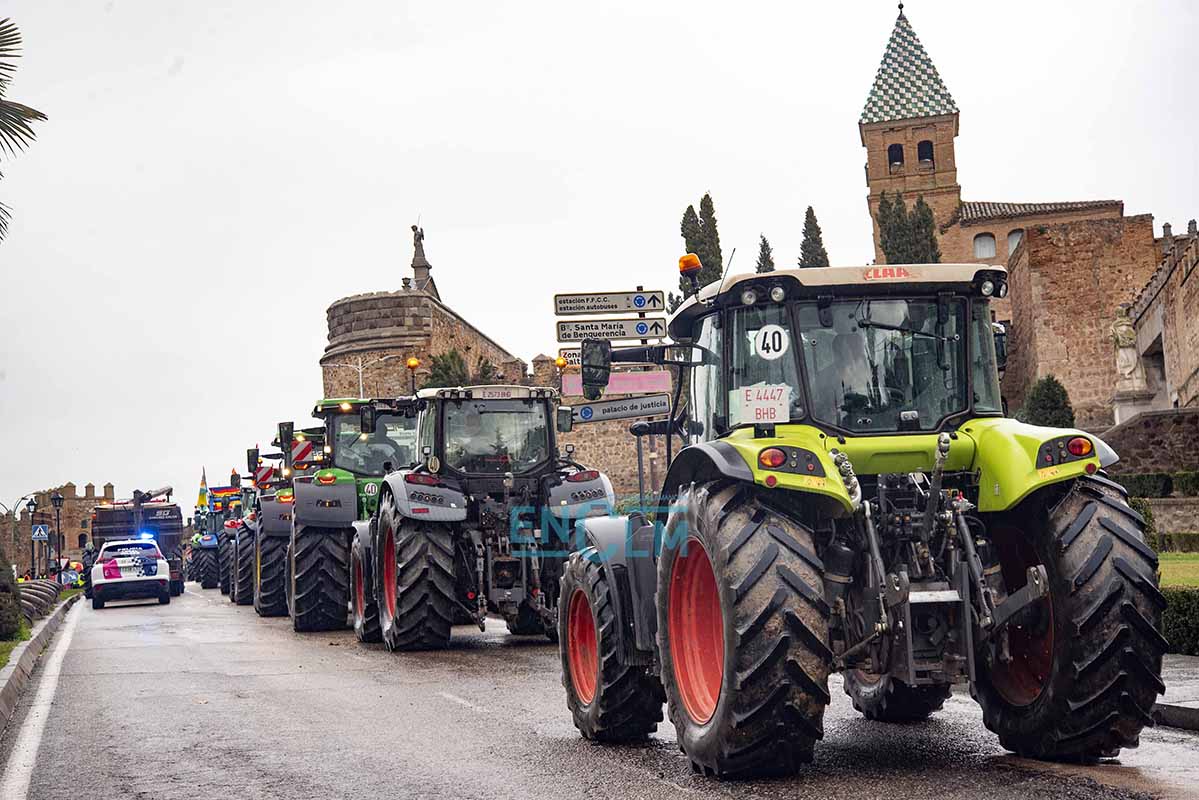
(202, 498)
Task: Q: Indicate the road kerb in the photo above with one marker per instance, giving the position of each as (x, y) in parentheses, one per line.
(24, 657)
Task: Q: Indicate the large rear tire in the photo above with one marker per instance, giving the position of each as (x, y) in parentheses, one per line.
(886, 699)
(615, 702)
(364, 607)
(270, 596)
(416, 581)
(206, 567)
(224, 561)
(320, 578)
(243, 569)
(1085, 665)
(742, 634)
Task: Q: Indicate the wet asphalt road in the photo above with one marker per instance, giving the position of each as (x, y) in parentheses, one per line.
(202, 699)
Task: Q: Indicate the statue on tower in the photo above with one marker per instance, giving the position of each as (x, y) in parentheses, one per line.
(418, 242)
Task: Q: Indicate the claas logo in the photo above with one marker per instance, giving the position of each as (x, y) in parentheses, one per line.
(886, 273)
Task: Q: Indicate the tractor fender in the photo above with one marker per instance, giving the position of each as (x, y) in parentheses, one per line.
(274, 518)
(208, 541)
(591, 498)
(325, 506)
(700, 463)
(443, 503)
(625, 550)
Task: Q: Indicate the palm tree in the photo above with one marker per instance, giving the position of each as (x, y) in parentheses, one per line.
(16, 130)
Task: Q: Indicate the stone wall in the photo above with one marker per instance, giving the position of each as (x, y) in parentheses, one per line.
(1064, 294)
(76, 523)
(1175, 514)
(1157, 441)
(1167, 319)
(379, 331)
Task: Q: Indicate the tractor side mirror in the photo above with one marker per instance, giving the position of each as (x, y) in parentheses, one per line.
(1000, 345)
(565, 419)
(286, 434)
(252, 460)
(366, 418)
(596, 361)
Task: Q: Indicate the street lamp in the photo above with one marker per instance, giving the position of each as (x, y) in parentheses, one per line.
(412, 364)
(361, 367)
(31, 507)
(56, 500)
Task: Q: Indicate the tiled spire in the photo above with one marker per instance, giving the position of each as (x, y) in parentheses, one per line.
(907, 85)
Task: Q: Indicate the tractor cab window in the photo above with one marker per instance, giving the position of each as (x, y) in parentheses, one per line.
(763, 376)
(983, 362)
(885, 365)
(707, 418)
(492, 437)
(393, 440)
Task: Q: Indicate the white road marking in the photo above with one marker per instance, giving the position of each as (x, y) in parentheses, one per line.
(19, 770)
(453, 698)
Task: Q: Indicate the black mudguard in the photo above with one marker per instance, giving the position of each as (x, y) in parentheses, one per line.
(625, 549)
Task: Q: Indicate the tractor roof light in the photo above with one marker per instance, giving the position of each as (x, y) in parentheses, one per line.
(345, 406)
(777, 294)
(1001, 292)
(689, 264)
(987, 288)
(749, 297)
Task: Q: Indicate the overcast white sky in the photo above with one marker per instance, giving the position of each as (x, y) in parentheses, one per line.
(214, 174)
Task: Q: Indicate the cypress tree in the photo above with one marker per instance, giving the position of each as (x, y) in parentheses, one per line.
(712, 259)
(925, 249)
(1047, 403)
(885, 225)
(811, 250)
(447, 369)
(765, 255)
(693, 242)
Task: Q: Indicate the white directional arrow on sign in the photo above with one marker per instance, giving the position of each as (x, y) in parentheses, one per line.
(608, 302)
(578, 330)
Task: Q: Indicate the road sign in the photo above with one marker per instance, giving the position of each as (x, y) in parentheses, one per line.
(41, 533)
(622, 383)
(649, 406)
(625, 328)
(573, 356)
(608, 302)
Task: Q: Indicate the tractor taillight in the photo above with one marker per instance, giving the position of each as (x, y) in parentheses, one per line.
(286, 498)
(583, 475)
(772, 458)
(326, 479)
(1079, 446)
(421, 478)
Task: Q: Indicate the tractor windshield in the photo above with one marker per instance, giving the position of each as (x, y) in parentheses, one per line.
(392, 441)
(885, 365)
(491, 437)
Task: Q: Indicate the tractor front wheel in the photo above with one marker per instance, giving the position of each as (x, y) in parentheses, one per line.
(1083, 665)
(243, 570)
(742, 633)
(416, 581)
(320, 579)
(205, 567)
(270, 597)
(362, 594)
(885, 699)
(609, 700)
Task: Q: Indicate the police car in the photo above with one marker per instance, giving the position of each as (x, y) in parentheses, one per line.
(128, 569)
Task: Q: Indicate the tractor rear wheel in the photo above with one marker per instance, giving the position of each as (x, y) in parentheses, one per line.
(205, 567)
(416, 581)
(270, 554)
(362, 594)
(243, 570)
(885, 699)
(1085, 661)
(610, 701)
(742, 633)
(224, 562)
(320, 578)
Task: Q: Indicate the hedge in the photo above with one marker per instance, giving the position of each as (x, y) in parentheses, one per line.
(1186, 542)
(1187, 483)
(1180, 621)
(1146, 484)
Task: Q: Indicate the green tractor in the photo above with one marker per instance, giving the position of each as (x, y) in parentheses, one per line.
(334, 501)
(851, 498)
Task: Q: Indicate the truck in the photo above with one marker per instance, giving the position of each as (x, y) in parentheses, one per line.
(146, 515)
(852, 498)
(481, 524)
(334, 497)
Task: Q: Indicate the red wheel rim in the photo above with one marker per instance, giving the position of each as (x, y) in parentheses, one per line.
(359, 590)
(696, 630)
(582, 647)
(389, 574)
(1022, 680)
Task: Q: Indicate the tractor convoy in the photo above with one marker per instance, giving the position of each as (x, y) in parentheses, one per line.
(849, 497)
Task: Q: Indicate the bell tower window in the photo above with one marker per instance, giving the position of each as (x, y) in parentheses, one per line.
(895, 158)
(924, 153)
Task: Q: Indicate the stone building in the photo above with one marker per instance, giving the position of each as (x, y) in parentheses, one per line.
(371, 336)
(1084, 255)
(76, 521)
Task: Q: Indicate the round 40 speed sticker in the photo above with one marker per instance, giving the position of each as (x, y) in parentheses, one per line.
(371, 489)
(771, 342)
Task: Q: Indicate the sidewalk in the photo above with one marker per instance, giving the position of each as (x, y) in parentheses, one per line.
(1179, 706)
